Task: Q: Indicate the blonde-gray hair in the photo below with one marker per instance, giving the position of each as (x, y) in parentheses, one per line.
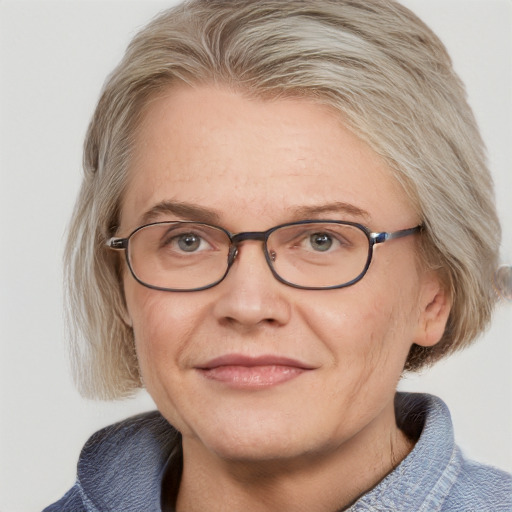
(374, 62)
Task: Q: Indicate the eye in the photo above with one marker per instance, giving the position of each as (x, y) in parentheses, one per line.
(320, 241)
(188, 242)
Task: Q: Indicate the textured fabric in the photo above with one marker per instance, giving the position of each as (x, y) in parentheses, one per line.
(121, 468)
(435, 477)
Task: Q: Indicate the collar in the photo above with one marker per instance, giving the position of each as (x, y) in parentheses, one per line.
(422, 481)
(122, 466)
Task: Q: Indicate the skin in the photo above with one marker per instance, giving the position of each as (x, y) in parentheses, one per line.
(319, 440)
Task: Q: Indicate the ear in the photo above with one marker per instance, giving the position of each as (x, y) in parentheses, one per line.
(435, 306)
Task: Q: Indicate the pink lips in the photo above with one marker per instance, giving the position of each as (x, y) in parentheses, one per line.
(253, 372)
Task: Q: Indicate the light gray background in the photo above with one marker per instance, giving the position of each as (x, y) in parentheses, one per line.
(54, 56)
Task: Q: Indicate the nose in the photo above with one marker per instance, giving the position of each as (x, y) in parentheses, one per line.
(250, 295)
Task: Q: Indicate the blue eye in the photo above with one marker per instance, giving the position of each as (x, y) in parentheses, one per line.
(320, 241)
(189, 242)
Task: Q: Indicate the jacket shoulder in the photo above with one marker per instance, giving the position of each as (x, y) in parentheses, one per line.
(116, 458)
(70, 502)
(481, 488)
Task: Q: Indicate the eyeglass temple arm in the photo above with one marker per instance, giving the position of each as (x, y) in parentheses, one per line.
(379, 238)
(117, 243)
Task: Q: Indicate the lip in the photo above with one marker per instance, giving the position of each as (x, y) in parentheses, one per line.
(251, 361)
(240, 371)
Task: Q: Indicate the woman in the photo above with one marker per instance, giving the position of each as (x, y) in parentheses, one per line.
(285, 205)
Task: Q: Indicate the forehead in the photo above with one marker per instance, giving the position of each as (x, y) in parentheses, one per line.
(252, 158)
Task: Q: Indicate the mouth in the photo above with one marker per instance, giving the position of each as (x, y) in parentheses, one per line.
(253, 372)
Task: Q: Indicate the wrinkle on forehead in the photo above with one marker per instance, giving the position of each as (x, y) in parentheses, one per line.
(272, 161)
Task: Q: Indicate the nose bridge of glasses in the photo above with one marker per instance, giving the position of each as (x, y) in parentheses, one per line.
(249, 235)
(260, 236)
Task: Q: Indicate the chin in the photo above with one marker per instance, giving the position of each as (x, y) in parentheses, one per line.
(255, 446)
(252, 435)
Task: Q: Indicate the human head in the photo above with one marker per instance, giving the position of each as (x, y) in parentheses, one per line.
(375, 63)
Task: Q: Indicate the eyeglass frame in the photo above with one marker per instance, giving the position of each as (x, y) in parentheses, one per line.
(374, 238)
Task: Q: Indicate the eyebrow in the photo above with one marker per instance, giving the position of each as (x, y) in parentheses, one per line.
(185, 211)
(188, 211)
(339, 207)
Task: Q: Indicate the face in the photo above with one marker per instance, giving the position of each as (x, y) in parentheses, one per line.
(252, 368)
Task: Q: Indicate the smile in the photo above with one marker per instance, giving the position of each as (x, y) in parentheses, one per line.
(248, 372)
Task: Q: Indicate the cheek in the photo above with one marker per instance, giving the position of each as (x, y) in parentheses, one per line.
(367, 329)
(359, 321)
(161, 325)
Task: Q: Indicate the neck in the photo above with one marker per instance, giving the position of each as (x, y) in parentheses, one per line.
(315, 482)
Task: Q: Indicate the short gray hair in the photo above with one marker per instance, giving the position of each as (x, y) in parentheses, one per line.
(374, 62)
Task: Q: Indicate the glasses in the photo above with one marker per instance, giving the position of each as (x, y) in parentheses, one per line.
(192, 256)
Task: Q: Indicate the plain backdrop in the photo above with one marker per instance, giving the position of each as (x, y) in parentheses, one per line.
(54, 57)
